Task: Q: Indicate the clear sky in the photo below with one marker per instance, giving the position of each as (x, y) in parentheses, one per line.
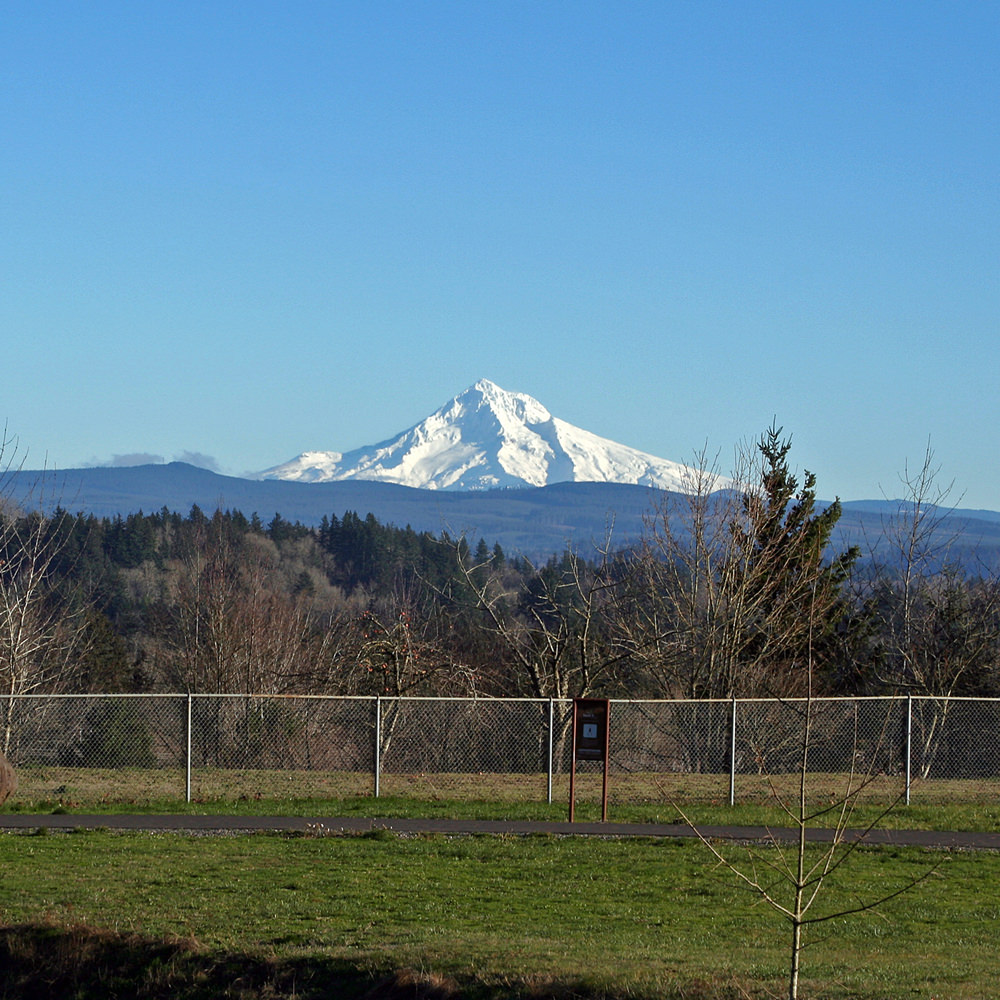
(245, 230)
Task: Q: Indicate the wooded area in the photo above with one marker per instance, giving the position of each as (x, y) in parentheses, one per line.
(728, 595)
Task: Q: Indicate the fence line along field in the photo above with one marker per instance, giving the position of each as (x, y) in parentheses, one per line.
(159, 748)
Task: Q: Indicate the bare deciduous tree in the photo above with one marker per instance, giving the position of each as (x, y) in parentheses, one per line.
(939, 626)
(42, 631)
(233, 626)
(555, 630)
(793, 877)
(402, 647)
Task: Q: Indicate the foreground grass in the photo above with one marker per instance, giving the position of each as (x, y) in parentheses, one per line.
(501, 917)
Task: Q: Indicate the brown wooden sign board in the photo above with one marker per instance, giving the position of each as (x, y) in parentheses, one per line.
(590, 728)
(591, 739)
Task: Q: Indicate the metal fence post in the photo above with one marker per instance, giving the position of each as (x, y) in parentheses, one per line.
(732, 756)
(909, 743)
(378, 743)
(188, 762)
(552, 717)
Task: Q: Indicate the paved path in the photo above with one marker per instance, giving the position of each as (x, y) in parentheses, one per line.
(351, 824)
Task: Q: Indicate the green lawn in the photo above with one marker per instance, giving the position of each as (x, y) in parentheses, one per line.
(531, 916)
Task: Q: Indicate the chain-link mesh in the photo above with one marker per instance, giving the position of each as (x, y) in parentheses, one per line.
(149, 748)
(856, 745)
(664, 751)
(478, 749)
(124, 748)
(954, 749)
(289, 747)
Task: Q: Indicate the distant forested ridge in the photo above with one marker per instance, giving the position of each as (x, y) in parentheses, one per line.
(722, 595)
(535, 522)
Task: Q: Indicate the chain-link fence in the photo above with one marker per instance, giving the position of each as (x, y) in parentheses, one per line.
(153, 748)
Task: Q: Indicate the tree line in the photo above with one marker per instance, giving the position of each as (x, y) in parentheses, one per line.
(730, 593)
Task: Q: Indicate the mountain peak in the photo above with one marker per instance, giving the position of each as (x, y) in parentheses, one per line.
(486, 400)
(485, 438)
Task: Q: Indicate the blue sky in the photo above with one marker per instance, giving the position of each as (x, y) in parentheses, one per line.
(246, 230)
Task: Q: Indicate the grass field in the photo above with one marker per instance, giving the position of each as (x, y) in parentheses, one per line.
(263, 916)
(318, 915)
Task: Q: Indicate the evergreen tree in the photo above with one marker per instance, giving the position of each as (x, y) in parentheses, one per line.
(787, 587)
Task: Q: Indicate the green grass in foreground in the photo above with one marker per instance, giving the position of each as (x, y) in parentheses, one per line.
(506, 917)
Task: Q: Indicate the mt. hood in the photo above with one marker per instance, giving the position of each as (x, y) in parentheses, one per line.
(487, 438)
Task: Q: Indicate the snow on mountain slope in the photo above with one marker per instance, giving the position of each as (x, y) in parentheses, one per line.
(483, 439)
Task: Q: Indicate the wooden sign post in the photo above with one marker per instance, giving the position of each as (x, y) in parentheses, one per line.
(590, 742)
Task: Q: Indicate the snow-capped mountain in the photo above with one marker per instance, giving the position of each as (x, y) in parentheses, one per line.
(487, 438)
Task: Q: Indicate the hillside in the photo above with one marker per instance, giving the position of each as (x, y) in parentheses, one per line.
(533, 521)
